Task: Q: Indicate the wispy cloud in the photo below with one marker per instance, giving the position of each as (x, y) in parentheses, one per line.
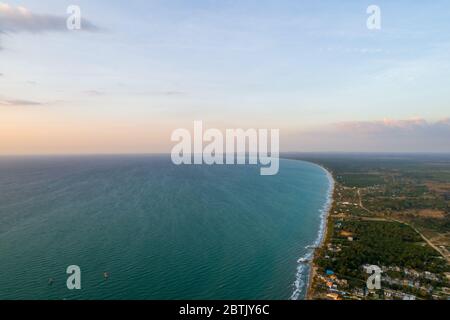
(20, 19)
(94, 93)
(390, 125)
(18, 102)
(170, 93)
(173, 93)
(410, 135)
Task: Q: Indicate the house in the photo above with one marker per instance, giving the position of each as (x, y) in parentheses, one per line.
(342, 282)
(431, 276)
(414, 273)
(359, 291)
(333, 296)
(344, 233)
(388, 293)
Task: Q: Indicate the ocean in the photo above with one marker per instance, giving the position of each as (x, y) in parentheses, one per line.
(158, 231)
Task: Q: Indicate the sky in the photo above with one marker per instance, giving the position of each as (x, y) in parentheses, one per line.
(138, 70)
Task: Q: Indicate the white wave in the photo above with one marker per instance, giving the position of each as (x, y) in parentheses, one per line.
(299, 284)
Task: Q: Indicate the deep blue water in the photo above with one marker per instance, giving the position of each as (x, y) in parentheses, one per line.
(160, 231)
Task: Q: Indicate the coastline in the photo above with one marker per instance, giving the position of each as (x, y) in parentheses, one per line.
(323, 233)
(303, 284)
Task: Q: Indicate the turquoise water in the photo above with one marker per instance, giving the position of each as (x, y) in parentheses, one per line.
(160, 231)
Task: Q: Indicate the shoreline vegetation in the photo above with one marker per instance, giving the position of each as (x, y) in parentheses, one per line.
(391, 211)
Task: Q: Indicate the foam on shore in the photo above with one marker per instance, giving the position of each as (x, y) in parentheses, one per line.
(303, 269)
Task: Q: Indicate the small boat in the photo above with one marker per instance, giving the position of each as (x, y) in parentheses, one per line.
(106, 275)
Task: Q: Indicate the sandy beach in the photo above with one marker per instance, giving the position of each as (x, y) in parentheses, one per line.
(323, 236)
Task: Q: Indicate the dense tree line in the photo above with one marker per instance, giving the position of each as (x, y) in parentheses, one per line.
(382, 244)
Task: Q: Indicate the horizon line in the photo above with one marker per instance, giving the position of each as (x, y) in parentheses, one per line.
(281, 153)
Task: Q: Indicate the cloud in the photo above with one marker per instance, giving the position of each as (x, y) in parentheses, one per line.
(388, 135)
(18, 103)
(173, 93)
(94, 93)
(170, 93)
(19, 19)
(390, 126)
